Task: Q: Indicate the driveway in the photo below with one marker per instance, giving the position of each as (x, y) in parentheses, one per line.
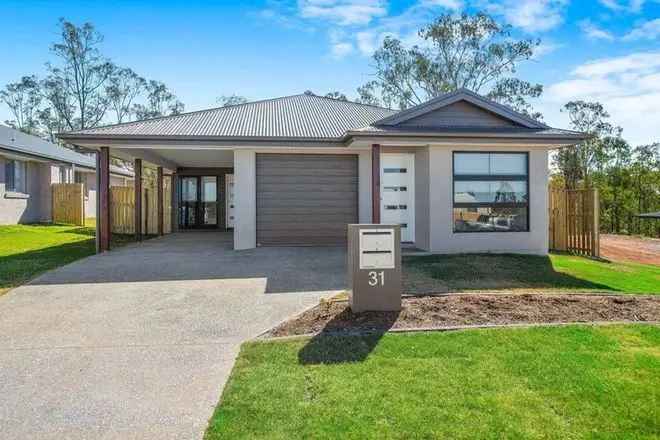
(138, 342)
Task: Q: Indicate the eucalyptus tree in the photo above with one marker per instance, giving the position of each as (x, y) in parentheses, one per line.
(228, 100)
(159, 101)
(75, 85)
(456, 51)
(123, 87)
(23, 98)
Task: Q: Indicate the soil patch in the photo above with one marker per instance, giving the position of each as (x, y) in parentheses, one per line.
(628, 248)
(474, 309)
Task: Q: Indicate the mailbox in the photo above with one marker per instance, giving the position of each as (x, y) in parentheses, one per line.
(374, 267)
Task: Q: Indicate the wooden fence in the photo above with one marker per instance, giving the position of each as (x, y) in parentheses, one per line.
(574, 221)
(68, 203)
(122, 207)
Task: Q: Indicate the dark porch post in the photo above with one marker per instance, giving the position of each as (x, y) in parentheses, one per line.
(137, 185)
(159, 180)
(375, 183)
(104, 199)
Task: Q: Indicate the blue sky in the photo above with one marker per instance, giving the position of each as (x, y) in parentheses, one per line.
(606, 50)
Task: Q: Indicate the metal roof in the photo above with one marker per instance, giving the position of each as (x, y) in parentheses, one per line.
(297, 116)
(25, 144)
(469, 131)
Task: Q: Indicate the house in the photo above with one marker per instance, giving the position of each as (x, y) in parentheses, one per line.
(28, 167)
(459, 173)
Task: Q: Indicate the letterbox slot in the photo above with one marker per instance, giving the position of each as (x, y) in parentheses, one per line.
(376, 252)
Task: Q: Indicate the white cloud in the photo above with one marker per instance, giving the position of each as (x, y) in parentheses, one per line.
(619, 6)
(545, 48)
(649, 30)
(455, 5)
(628, 87)
(532, 16)
(340, 50)
(593, 32)
(343, 12)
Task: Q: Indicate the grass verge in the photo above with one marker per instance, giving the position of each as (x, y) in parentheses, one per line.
(29, 250)
(552, 382)
(556, 272)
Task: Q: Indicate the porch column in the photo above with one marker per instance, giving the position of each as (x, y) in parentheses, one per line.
(159, 181)
(103, 172)
(137, 186)
(245, 200)
(175, 202)
(375, 183)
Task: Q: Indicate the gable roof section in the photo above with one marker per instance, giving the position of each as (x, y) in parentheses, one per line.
(297, 116)
(448, 99)
(32, 146)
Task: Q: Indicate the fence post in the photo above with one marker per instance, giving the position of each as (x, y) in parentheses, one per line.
(596, 225)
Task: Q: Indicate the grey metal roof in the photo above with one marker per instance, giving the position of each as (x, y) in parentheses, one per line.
(469, 131)
(297, 116)
(461, 95)
(24, 144)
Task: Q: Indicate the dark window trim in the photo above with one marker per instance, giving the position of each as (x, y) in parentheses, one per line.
(474, 177)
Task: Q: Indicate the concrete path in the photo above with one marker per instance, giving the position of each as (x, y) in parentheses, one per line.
(138, 342)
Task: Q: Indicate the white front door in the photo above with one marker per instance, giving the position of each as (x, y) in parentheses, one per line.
(229, 191)
(397, 192)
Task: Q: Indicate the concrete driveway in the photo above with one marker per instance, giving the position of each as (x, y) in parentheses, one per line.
(138, 342)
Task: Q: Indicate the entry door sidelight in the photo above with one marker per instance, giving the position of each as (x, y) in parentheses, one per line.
(209, 201)
(199, 202)
(397, 182)
(188, 204)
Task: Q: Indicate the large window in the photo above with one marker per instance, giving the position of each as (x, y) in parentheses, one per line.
(491, 192)
(15, 176)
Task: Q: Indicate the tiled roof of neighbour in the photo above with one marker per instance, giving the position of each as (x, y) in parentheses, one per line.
(22, 143)
(297, 116)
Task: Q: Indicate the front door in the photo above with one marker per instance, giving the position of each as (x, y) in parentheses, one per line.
(397, 195)
(199, 202)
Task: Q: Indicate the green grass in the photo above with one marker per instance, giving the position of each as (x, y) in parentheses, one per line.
(558, 272)
(29, 250)
(547, 382)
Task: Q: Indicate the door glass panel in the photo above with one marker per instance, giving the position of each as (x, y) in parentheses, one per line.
(189, 189)
(209, 200)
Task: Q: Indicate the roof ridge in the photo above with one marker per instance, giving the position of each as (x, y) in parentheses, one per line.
(351, 102)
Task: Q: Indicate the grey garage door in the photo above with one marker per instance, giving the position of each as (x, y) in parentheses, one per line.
(305, 199)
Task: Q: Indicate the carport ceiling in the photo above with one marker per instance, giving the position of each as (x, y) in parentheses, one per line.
(187, 157)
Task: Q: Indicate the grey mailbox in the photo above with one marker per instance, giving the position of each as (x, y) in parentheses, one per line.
(374, 267)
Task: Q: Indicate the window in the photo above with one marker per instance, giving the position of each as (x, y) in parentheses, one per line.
(491, 192)
(64, 175)
(15, 173)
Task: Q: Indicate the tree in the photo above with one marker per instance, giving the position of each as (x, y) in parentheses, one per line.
(80, 76)
(577, 162)
(23, 99)
(459, 51)
(336, 95)
(160, 102)
(123, 87)
(234, 99)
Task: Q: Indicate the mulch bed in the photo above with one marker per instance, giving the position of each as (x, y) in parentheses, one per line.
(473, 309)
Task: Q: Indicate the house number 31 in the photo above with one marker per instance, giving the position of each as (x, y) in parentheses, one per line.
(376, 278)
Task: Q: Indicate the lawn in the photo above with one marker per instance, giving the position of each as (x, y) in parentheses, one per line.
(552, 382)
(557, 272)
(29, 250)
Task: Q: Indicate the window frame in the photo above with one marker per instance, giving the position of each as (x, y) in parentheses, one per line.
(486, 178)
(10, 184)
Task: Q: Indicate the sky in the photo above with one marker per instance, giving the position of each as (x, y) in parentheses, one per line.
(604, 50)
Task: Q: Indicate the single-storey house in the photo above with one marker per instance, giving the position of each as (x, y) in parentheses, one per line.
(28, 167)
(459, 173)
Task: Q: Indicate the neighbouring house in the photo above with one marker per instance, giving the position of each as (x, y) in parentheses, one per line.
(28, 167)
(459, 173)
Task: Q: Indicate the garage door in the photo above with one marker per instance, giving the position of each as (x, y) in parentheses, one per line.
(305, 199)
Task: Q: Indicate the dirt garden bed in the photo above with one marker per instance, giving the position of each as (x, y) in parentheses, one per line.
(466, 310)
